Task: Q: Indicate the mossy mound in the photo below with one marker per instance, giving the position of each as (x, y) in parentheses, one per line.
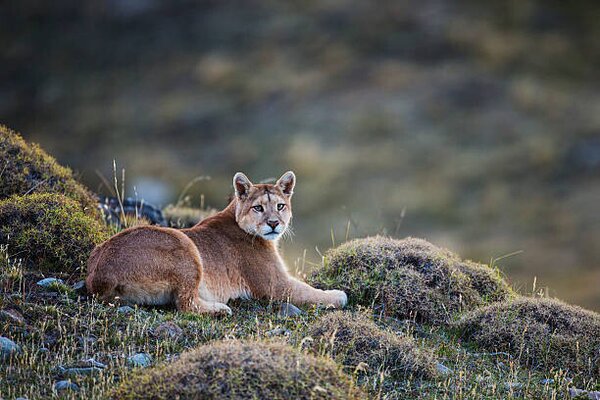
(540, 333)
(26, 168)
(241, 370)
(408, 278)
(49, 231)
(352, 339)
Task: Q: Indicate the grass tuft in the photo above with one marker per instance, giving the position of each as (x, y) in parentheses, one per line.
(409, 278)
(241, 370)
(540, 333)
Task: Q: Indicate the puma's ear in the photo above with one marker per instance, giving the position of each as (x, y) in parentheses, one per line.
(241, 184)
(286, 183)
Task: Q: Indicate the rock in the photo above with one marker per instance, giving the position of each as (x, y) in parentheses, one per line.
(21, 398)
(442, 369)
(573, 392)
(168, 330)
(12, 316)
(76, 371)
(142, 360)
(50, 282)
(8, 348)
(79, 287)
(125, 310)
(512, 385)
(65, 385)
(547, 381)
(288, 310)
(278, 332)
(90, 362)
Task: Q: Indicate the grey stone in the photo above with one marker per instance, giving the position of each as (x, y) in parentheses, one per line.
(140, 360)
(125, 310)
(168, 330)
(49, 282)
(79, 287)
(65, 385)
(8, 348)
(442, 369)
(278, 332)
(512, 385)
(76, 371)
(288, 310)
(12, 316)
(547, 381)
(573, 392)
(90, 362)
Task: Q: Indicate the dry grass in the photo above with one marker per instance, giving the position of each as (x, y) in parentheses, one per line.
(541, 333)
(184, 216)
(409, 278)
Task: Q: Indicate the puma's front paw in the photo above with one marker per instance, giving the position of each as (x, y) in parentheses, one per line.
(338, 299)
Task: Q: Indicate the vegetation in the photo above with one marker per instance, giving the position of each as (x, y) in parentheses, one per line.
(185, 216)
(541, 333)
(242, 370)
(408, 278)
(50, 232)
(27, 169)
(354, 340)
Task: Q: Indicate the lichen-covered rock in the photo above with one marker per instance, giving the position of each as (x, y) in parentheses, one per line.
(27, 169)
(539, 333)
(241, 370)
(352, 339)
(408, 278)
(49, 231)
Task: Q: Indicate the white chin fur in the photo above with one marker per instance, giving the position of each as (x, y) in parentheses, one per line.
(271, 237)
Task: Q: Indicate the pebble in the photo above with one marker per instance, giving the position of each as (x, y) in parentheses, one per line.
(65, 385)
(8, 348)
(573, 392)
(12, 316)
(125, 310)
(288, 310)
(442, 369)
(512, 385)
(49, 282)
(76, 371)
(278, 332)
(140, 360)
(168, 330)
(79, 287)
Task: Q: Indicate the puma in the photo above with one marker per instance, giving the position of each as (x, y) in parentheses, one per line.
(233, 254)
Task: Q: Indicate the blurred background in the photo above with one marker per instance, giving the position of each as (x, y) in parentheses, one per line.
(475, 125)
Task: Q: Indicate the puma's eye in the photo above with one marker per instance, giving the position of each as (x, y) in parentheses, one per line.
(258, 208)
(280, 206)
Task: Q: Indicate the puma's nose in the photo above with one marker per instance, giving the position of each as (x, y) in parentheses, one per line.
(273, 224)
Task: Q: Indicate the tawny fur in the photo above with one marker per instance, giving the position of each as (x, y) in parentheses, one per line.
(230, 255)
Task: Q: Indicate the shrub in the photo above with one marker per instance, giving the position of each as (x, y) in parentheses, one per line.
(241, 370)
(26, 168)
(352, 339)
(540, 333)
(49, 231)
(408, 278)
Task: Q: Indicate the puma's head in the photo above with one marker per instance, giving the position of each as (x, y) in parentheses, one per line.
(264, 209)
